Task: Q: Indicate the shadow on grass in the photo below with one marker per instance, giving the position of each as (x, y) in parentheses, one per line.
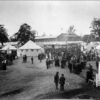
(14, 92)
(69, 94)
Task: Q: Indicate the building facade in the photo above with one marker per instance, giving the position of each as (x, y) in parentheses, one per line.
(59, 40)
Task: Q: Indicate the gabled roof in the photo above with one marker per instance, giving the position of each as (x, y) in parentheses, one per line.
(62, 37)
(68, 37)
(8, 47)
(30, 45)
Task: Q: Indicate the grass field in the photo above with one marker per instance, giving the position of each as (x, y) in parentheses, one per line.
(26, 81)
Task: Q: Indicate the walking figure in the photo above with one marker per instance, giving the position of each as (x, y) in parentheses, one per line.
(32, 60)
(25, 58)
(56, 80)
(62, 82)
(4, 64)
(47, 63)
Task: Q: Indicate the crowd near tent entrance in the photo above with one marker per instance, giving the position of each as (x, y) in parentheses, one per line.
(30, 49)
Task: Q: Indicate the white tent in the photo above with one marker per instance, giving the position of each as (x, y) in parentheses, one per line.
(9, 47)
(30, 45)
(30, 49)
(90, 46)
(98, 47)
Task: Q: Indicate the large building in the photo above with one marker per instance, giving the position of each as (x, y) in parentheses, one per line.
(61, 39)
(68, 37)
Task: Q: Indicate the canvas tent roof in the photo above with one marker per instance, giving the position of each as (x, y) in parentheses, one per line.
(98, 47)
(9, 47)
(30, 45)
(90, 46)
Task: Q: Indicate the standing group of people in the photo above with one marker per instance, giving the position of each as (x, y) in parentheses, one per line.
(25, 59)
(60, 62)
(59, 80)
(76, 65)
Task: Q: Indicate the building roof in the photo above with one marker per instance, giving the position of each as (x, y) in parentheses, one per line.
(68, 37)
(9, 47)
(30, 45)
(62, 37)
(11, 43)
(45, 37)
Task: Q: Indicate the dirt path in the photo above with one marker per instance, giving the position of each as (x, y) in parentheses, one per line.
(24, 81)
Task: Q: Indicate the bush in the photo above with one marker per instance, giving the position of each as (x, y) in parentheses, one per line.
(41, 56)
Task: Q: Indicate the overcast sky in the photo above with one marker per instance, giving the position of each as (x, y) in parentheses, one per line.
(49, 17)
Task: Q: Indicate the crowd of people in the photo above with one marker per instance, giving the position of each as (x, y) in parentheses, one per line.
(72, 58)
(6, 59)
(75, 61)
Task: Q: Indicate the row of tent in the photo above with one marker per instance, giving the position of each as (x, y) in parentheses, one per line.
(30, 49)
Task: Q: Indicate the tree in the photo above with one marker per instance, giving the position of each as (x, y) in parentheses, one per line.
(13, 38)
(71, 30)
(3, 35)
(95, 28)
(24, 34)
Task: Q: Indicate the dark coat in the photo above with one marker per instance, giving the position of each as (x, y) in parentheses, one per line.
(56, 78)
(62, 80)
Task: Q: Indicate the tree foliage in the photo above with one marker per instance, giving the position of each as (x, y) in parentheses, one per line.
(71, 30)
(95, 31)
(3, 35)
(24, 34)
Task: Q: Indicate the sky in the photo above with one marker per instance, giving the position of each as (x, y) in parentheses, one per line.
(49, 17)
